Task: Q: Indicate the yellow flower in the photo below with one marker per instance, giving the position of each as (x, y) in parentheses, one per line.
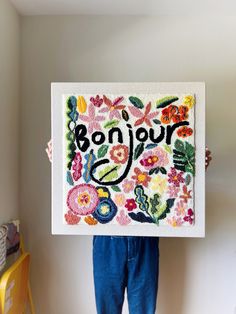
(189, 101)
(158, 184)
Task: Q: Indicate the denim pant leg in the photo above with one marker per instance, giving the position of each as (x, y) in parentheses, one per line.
(143, 272)
(110, 273)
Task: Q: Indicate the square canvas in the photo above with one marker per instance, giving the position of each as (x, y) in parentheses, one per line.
(127, 158)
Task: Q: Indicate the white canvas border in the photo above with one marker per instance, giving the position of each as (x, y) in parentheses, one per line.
(58, 89)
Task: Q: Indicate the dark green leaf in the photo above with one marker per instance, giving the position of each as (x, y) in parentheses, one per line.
(150, 146)
(140, 217)
(163, 170)
(138, 150)
(115, 188)
(125, 115)
(156, 121)
(136, 102)
(154, 170)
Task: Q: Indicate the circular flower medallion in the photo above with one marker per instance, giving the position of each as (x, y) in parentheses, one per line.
(83, 199)
(105, 211)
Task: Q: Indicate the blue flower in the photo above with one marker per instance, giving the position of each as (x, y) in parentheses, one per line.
(105, 211)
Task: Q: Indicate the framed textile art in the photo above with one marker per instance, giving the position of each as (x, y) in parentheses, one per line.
(128, 159)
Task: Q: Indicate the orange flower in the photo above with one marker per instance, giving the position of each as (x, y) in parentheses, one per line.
(141, 177)
(184, 131)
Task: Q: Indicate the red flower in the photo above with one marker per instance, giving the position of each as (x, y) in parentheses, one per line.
(184, 131)
(175, 177)
(130, 204)
(174, 113)
(190, 216)
(141, 177)
(119, 154)
(97, 101)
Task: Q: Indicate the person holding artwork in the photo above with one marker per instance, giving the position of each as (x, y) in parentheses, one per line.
(121, 262)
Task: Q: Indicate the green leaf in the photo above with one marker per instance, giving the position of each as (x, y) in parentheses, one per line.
(141, 198)
(156, 121)
(102, 150)
(138, 150)
(108, 173)
(111, 124)
(184, 157)
(155, 201)
(115, 188)
(168, 148)
(125, 115)
(136, 102)
(165, 101)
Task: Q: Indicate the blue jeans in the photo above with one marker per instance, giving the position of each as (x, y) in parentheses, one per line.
(121, 262)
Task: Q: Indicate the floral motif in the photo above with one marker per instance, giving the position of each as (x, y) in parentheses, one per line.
(113, 107)
(189, 101)
(71, 218)
(123, 219)
(156, 158)
(158, 184)
(105, 211)
(92, 120)
(128, 185)
(143, 117)
(190, 216)
(175, 177)
(82, 199)
(130, 204)
(119, 154)
(141, 177)
(180, 208)
(175, 221)
(90, 220)
(119, 199)
(174, 113)
(173, 191)
(77, 166)
(186, 194)
(184, 132)
(97, 101)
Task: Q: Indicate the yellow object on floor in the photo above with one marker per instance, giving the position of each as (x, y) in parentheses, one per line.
(15, 290)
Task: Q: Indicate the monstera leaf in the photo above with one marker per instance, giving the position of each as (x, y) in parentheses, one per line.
(184, 157)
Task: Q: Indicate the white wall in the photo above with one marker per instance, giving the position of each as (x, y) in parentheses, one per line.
(9, 112)
(196, 275)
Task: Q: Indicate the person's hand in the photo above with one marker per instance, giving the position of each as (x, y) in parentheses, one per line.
(208, 158)
(49, 150)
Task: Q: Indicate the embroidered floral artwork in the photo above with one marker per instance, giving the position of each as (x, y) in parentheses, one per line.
(129, 159)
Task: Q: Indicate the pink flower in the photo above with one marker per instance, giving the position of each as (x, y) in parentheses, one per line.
(97, 101)
(173, 191)
(92, 119)
(77, 166)
(82, 199)
(175, 177)
(190, 216)
(128, 185)
(156, 158)
(130, 204)
(123, 219)
(143, 117)
(180, 209)
(119, 154)
(174, 221)
(113, 107)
